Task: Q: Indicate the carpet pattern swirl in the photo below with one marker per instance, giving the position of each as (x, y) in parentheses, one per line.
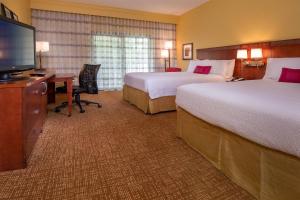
(115, 152)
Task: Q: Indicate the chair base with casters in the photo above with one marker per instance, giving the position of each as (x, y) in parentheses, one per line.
(77, 102)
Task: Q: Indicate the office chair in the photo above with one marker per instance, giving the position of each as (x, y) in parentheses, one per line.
(87, 84)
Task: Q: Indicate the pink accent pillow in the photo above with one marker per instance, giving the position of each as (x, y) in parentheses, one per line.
(202, 69)
(290, 75)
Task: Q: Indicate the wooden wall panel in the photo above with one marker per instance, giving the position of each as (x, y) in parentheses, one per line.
(274, 49)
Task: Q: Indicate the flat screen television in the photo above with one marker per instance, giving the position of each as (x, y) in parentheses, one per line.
(17, 48)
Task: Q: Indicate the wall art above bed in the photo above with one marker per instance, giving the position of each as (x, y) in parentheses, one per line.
(187, 51)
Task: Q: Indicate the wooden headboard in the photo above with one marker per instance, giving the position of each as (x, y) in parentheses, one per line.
(274, 49)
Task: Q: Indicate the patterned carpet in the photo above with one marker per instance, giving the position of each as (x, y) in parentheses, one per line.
(115, 152)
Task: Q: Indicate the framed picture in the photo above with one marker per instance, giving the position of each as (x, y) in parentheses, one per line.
(15, 16)
(6, 12)
(187, 51)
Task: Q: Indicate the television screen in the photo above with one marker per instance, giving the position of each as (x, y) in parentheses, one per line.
(17, 46)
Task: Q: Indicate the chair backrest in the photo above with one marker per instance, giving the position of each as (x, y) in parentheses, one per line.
(88, 78)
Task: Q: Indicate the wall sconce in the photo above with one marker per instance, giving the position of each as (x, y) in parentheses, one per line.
(242, 54)
(165, 54)
(256, 55)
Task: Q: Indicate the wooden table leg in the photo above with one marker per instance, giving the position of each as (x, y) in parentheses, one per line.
(51, 92)
(69, 93)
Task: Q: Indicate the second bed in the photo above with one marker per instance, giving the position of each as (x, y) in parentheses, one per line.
(249, 130)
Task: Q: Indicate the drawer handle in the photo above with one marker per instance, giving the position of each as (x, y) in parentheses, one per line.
(45, 88)
(35, 92)
(36, 111)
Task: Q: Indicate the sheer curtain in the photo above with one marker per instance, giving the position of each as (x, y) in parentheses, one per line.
(120, 55)
(119, 45)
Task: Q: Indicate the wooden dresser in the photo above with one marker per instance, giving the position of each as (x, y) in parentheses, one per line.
(23, 110)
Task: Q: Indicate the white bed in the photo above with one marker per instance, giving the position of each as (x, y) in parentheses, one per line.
(249, 130)
(165, 84)
(155, 92)
(264, 111)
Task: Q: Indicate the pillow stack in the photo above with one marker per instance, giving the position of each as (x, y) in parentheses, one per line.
(224, 68)
(281, 69)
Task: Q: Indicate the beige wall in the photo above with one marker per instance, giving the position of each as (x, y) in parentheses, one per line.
(21, 8)
(215, 23)
(60, 5)
(229, 22)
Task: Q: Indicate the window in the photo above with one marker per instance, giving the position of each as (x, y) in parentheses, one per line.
(119, 55)
(119, 45)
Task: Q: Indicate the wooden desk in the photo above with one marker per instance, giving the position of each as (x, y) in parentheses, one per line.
(68, 78)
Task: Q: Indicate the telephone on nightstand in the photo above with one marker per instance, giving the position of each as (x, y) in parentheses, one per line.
(236, 79)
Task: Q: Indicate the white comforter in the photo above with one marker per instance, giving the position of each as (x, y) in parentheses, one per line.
(159, 84)
(264, 111)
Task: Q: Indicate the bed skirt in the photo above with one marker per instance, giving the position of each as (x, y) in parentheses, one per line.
(142, 100)
(265, 173)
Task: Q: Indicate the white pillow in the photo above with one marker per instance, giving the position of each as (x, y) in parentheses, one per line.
(275, 65)
(194, 63)
(222, 67)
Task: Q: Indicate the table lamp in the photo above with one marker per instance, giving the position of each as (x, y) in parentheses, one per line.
(168, 47)
(41, 47)
(165, 54)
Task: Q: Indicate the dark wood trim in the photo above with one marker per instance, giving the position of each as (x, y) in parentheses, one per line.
(271, 49)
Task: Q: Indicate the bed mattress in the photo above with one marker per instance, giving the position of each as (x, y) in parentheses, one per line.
(160, 84)
(264, 111)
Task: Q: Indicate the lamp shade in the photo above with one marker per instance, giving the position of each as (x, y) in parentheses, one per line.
(42, 46)
(168, 45)
(164, 53)
(242, 54)
(256, 53)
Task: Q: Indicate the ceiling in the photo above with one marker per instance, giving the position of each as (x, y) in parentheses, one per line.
(172, 7)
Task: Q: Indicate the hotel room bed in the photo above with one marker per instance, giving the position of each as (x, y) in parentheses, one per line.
(258, 110)
(249, 130)
(155, 92)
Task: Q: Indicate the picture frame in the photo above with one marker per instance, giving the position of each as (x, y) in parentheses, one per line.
(187, 51)
(6, 12)
(15, 16)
